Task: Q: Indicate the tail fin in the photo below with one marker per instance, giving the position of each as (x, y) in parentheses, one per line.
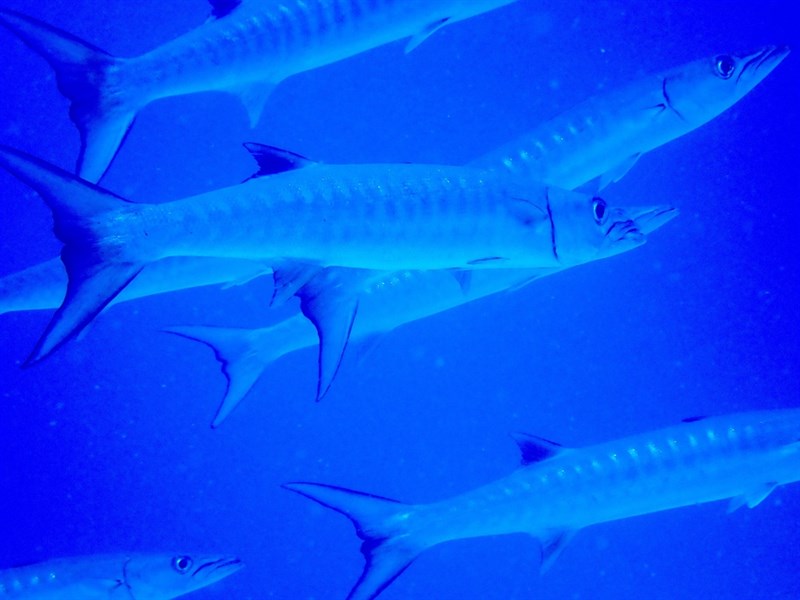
(388, 548)
(84, 74)
(244, 354)
(241, 362)
(96, 265)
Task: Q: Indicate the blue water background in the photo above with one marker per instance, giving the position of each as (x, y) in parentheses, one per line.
(106, 447)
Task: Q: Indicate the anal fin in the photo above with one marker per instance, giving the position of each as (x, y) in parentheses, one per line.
(752, 498)
(552, 546)
(330, 302)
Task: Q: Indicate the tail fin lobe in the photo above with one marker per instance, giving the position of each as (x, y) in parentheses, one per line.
(388, 547)
(98, 266)
(99, 108)
(240, 356)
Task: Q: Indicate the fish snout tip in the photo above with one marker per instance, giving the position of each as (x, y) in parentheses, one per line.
(234, 563)
(648, 219)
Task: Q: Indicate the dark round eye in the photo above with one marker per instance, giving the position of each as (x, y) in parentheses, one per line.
(599, 207)
(181, 564)
(724, 66)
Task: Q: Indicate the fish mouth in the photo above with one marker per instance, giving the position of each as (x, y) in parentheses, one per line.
(629, 227)
(763, 61)
(624, 231)
(219, 568)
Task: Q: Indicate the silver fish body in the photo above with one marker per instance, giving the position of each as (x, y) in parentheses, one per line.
(603, 136)
(558, 491)
(268, 41)
(381, 217)
(123, 576)
(383, 305)
(246, 48)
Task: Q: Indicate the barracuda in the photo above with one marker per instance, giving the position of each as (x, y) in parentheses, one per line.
(380, 217)
(385, 301)
(595, 140)
(592, 144)
(246, 48)
(112, 577)
(604, 136)
(559, 491)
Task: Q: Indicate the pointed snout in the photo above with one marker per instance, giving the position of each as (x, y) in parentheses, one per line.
(217, 568)
(764, 60)
(650, 218)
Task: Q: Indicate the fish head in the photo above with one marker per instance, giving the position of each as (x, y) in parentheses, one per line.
(587, 228)
(700, 90)
(173, 575)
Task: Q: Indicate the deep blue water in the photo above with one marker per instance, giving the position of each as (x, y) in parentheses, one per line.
(105, 447)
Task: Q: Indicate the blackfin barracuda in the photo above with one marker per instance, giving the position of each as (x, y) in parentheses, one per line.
(604, 136)
(558, 491)
(385, 302)
(115, 577)
(246, 48)
(378, 217)
(598, 139)
(592, 144)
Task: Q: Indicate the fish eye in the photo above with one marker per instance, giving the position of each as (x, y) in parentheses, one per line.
(724, 66)
(182, 563)
(599, 207)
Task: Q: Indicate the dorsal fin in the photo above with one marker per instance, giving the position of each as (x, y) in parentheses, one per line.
(272, 160)
(693, 419)
(221, 8)
(535, 449)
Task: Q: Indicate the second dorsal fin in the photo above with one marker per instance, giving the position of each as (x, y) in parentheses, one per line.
(272, 160)
(535, 449)
(221, 8)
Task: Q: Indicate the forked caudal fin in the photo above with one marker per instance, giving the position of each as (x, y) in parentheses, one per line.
(90, 78)
(97, 266)
(243, 355)
(388, 547)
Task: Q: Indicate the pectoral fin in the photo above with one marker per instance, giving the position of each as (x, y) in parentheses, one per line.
(423, 35)
(618, 172)
(464, 279)
(752, 498)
